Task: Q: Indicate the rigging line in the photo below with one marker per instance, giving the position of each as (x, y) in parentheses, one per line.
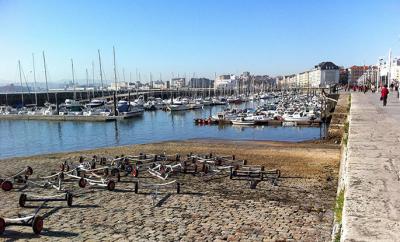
(26, 82)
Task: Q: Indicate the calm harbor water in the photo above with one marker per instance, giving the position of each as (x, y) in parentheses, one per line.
(25, 138)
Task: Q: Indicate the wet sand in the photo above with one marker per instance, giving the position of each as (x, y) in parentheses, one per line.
(209, 208)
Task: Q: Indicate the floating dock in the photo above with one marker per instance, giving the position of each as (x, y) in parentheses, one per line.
(62, 118)
(312, 123)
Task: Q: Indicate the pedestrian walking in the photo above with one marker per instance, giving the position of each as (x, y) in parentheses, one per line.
(384, 94)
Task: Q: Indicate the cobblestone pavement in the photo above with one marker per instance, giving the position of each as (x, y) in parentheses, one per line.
(209, 208)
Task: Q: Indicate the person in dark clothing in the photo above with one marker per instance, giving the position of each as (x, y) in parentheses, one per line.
(384, 94)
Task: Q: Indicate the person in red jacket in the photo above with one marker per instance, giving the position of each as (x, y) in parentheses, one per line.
(384, 94)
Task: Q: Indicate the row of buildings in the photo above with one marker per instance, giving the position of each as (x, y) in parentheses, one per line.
(325, 74)
(244, 82)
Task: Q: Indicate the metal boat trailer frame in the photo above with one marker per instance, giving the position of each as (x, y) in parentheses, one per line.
(104, 183)
(163, 171)
(7, 184)
(34, 220)
(254, 174)
(67, 197)
(155, 187)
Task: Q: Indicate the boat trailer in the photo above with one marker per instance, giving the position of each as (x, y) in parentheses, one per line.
(20, 177)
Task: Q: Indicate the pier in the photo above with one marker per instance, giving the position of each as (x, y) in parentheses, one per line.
(97, 118)
(59, 96)
(371, 174)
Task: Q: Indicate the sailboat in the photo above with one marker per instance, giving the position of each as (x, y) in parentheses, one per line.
(126, 108)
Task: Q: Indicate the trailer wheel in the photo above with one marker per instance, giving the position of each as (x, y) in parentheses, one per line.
(253, 184)
(22, 200)
(2, 225)
(115, 172)
(61, 176)
(82, 183)
(29, 171)
(69, 199)
(7, 186)
(110, 185)
(195, 168)
(128, 169)
(37, 224)
(135, 172)
(118, 177)
(178, 188)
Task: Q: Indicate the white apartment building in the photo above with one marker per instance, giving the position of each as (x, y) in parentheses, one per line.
(225, 82)
(303, 79)
(178, 82)
(118, 86)
(325, 74)
(389, 70)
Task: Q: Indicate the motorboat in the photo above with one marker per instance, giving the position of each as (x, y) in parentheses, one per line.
(243, 121)
(127, 109)
(154, 104)
(179, 104)
(296, 117)
(96, 103)
(71, 107)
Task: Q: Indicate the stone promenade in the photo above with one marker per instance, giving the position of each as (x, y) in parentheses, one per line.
(372, 178)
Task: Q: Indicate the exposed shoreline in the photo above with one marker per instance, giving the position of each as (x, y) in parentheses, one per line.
(299, 208)
(314, 141)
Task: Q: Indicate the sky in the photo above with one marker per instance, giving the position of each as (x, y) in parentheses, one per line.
(200, 38)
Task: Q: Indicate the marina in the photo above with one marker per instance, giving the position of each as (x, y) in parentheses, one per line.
(72, 125)
(29, 137)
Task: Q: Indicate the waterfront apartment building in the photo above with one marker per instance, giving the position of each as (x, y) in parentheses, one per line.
(389, 70)
(303, 79)
(117, 86)
(178, 82)
(225, 82)
(200, 83)
(324, 74)
(159, 84)
(355, 72)
(362, 75)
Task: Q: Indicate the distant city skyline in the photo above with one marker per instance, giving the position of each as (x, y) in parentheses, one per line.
(192, 38)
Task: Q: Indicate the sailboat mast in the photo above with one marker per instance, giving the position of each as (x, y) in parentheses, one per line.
(45, 76)
(73, 77)
(34, 77)
(115, 72)
(101, 75)
(20, 79)
(93, 77)
(87, 84)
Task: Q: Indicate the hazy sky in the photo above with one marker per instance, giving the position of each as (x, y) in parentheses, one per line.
(193, 36)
